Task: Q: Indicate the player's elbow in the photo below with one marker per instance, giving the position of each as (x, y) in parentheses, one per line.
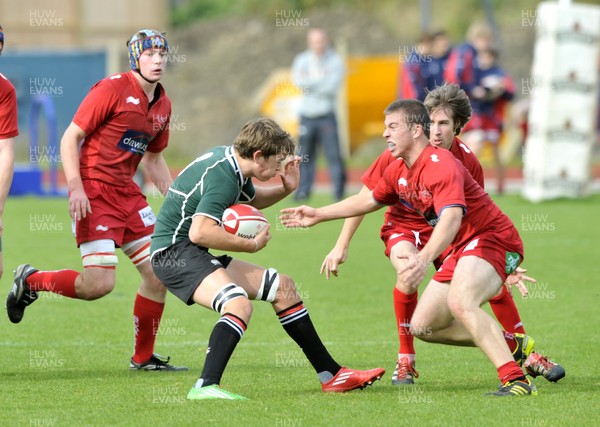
(197, 237)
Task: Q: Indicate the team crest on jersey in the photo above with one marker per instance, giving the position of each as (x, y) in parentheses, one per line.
(434, 158)
(134, 141)
(402, 181)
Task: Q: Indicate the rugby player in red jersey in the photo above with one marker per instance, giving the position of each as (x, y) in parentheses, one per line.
(486, 246)
(8, 131)
(405, 232)
(124, 120)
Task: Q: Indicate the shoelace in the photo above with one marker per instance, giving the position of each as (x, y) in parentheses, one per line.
(405, 367)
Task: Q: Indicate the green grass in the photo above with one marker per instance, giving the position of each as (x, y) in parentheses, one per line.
(66, 363)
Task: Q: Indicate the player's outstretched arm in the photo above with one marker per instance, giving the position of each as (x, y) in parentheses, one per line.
(339, 253)
(79, 205)
(305, 216)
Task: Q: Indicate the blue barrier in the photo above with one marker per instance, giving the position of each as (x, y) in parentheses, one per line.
(49, 87)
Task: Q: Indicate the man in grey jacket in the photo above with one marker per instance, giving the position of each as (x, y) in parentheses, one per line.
(319, 72)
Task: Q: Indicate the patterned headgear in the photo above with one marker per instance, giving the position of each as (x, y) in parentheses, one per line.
(143, 40)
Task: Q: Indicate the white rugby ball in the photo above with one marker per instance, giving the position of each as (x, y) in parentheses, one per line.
(243, 220)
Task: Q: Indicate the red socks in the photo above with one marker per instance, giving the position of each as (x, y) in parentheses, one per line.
(510, 371)
(506, 312)
(146, 319)
(404, 307)
(60, 282)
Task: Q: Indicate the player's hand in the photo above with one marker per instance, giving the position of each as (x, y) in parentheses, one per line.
(290, 174)
(414, 270)
(262, 238)
(518, 278)
(330, 265)
(79, 205)
(301, 216)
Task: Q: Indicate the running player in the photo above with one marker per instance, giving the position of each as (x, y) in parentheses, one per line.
(188, 227)
(8, 131)
(123, 121)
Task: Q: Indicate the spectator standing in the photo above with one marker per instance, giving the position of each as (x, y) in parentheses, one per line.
(319, 72)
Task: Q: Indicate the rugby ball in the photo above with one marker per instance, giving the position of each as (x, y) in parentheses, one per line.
(243, 220)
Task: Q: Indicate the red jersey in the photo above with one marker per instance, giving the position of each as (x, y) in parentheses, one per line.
(438, 180)
(120, 126)
(400, 213)
(8, 109)
(468, 159)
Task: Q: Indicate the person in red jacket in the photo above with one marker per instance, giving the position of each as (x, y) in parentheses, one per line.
(124, 120)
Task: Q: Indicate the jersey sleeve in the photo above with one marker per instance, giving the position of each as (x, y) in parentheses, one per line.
(96, 107)
(375, 172)
(385, 190)
(215, 197)
(9, 127)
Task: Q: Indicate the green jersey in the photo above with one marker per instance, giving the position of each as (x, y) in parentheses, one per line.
(207, 186)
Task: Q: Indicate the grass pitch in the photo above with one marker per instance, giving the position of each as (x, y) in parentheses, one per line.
(66, 363)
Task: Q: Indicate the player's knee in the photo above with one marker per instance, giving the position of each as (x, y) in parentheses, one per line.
(287, 291)
(403, 287)
(233, 299)
(241, 307)
(277, 288)
(152, 285)
(457, 305)
(97, 285)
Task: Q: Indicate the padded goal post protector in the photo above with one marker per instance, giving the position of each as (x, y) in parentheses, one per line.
(563, 90)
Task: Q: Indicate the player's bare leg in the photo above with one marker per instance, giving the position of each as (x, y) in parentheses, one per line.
(95, 282)
(434, 322)
(474, 282)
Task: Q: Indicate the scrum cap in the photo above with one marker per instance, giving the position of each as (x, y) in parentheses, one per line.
(143, 40)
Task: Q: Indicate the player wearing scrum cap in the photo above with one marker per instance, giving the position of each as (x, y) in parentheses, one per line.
(124, 120)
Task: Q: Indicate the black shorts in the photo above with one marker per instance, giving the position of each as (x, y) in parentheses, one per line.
(183, 266)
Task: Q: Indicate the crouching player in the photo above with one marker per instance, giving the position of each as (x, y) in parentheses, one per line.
(188, 226)
(486, 246)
